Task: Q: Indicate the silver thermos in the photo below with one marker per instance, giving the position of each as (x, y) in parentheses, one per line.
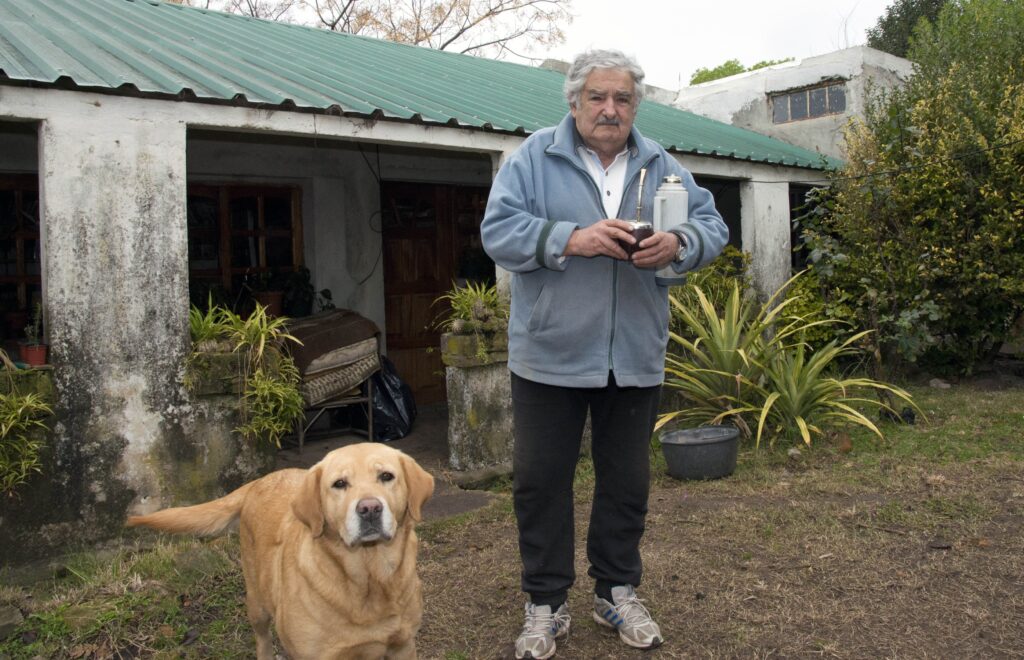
(671, 208)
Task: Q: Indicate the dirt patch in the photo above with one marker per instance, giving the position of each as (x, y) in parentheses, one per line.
(926, 566)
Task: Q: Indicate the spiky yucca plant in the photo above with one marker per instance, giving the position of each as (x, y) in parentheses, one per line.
(750, 366)
(799, 398)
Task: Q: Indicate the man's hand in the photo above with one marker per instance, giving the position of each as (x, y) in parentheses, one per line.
(656, 251)
(600, 239)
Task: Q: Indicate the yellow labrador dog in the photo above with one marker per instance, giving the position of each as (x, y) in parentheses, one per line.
(328, 554)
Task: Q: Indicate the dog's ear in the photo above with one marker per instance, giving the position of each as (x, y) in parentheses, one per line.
(421, 486)
(306, 505)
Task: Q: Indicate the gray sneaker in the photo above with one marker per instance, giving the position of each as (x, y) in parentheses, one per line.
(541, 630)
(629, 616)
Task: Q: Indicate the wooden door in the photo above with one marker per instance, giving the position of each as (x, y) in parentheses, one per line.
(428, 229)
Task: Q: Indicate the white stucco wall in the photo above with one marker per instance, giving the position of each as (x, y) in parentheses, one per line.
(743, 100)
(113, 179)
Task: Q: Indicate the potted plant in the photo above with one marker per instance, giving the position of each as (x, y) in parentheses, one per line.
(475, 328)
(474, 349)
(267, 290)
(301, 298)
(33, 350)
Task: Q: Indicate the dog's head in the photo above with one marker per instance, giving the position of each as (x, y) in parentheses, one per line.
(363, 493)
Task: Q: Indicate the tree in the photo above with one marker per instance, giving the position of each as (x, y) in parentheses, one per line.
(273, 10)
(729, 68)
(926, 229)
(723, 70)
(893, 31)
(491, 28)
(480, 27)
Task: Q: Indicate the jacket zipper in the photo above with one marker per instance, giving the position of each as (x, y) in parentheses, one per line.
(615, 267)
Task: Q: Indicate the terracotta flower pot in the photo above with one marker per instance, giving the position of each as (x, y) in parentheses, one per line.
(272, 300)
(33, 355)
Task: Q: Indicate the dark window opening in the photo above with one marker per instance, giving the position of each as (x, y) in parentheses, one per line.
(241, 240)
(20, 252)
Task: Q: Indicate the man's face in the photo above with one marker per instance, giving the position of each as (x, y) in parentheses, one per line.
(605, 110)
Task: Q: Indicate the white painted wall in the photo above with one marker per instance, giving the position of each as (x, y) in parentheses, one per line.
(743, 100)
(113, 180)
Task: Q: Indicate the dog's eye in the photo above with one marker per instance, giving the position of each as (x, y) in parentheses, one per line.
(386, 476)
(340, 484)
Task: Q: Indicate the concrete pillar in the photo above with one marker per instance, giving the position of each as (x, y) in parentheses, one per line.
(764, 221)
(115, 286)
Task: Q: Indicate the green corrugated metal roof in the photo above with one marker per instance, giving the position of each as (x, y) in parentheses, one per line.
(154, 48)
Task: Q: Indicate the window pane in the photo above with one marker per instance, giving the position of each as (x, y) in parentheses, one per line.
(30, 210)
(244, 213)
(244, 252)
(780, 109)
(277, 212)
(32, 257)
(798, 105)
(837, 98)
(8, 211)
(818, 102)
(203, 250)
(279, 251)
(202, 212)
(8, 255)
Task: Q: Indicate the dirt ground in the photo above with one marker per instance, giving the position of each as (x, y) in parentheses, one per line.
(801, 562)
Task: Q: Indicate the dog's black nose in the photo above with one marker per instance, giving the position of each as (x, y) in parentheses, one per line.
(369, 508)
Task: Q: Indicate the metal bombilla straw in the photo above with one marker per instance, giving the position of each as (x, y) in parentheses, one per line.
(640, 193)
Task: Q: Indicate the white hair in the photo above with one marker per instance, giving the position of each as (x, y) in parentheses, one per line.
(586, 62)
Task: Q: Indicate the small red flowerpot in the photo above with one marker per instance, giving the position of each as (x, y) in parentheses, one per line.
(33, 355)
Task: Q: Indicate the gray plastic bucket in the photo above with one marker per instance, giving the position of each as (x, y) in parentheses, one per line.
(707, 452)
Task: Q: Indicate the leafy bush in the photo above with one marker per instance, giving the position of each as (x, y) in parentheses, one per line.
(925, 225)
(271, 401)
(21, 421)
(715, 281)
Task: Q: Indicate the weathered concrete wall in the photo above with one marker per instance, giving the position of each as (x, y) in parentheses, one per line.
(743, 100)
(479, 416)
(766, 233)
(126, 437)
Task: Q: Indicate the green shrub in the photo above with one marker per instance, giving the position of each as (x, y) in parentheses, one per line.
(271, 400)
(750, 365)
(716, 281)
(925, 226)
(473, 309)
(21, 425)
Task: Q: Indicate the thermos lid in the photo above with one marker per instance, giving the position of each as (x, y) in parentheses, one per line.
(672, 178)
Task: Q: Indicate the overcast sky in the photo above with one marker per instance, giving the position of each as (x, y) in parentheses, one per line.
(673, 38)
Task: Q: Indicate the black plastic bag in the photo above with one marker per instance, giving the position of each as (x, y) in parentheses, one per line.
(394, 408)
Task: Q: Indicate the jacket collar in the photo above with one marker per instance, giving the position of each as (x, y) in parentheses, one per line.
(567, 138)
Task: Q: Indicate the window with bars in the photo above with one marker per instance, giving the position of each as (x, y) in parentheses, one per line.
(241, 237)
(809, 103)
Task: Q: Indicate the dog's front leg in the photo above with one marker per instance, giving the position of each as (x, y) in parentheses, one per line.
(259, 619)
(406, 651)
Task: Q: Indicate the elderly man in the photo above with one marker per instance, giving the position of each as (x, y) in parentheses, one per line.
(588, 333)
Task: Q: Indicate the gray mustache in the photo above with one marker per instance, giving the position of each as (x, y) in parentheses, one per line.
(607, 122)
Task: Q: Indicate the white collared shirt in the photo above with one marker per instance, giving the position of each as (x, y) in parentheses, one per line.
(610, 180)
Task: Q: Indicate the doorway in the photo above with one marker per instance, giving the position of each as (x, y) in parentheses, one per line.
(431, 237)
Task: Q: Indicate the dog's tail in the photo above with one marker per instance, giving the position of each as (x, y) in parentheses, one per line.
(207, 519)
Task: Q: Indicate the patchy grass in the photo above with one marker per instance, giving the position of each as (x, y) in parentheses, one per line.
(907, 547)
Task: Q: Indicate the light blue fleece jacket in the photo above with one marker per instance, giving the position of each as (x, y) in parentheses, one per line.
(576, 319)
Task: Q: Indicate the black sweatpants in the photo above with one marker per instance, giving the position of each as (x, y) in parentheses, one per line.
(548, 427)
